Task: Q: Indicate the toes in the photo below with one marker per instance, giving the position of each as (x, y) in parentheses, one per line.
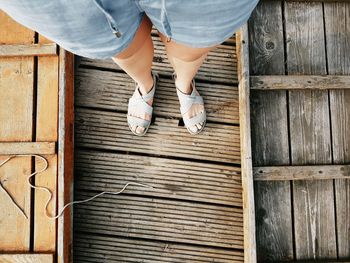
(199, 125)
(140, 130)
(193, 128)
(133, 128)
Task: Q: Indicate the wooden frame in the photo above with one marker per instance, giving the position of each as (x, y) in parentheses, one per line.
(28, 50)
(65, 156)
(246, 155)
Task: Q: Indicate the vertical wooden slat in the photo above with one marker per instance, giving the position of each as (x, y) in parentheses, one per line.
(65, 156)
(270, 135)
(16, 117)
(310, 132)
(246, 151)
(337, 24)
(46, 130)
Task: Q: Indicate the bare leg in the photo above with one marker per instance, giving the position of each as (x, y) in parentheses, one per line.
(186, 62)
(136, 61)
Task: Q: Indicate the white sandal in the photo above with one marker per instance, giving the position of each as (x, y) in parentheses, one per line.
(186, 102)
(140, 101)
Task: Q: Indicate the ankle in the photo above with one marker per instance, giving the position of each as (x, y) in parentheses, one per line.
(184, 86)
(146, 86)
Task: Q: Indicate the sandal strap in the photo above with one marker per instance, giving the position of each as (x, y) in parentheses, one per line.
(199, 118)
(132, 120)
(140, 101)
(141, 104)
(187, 100)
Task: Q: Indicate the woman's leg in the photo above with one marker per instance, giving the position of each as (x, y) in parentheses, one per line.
(186, 62)
(136, 61)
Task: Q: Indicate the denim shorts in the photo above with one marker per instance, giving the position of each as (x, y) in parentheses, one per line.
(103, 28)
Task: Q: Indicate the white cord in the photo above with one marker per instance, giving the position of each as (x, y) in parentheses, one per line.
(50, 193)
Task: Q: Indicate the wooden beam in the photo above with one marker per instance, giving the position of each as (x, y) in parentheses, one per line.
(16, 125)
(26, 258)
(28, 50)
(46, 130)
(7, 148)
(246, 151)
(65, 156)
(302, 172)
(300, 82)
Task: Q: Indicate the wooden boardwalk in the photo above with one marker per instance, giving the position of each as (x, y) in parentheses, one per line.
(301, 219)
(194, 213)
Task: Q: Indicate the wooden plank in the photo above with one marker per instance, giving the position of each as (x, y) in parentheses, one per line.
(304, 172)
(296, 82)
(246, 151)
(219, 66)
(46, 130)
(27, 147)
(185, 180)
(160, 219)
(112, 90)
(16, 117)
(65, 156)
(337, 27)
(16, 50)
(109, 130)
(315, 236)
(26, 258)
(93, 248)
(270, 146)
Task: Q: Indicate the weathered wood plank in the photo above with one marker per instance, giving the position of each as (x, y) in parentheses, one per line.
(304, 172)
(27, 147)
(219, 66)
(310, 133)
(210, 183)
(26, 258)
(46, 130)
(16, 117)
(109, 130)
(65, 156)
(112, 90)
(296, 82)
(161, 219)
(337, 26)
(93, 248)
(16, 50)
(270, 135)
(246, 150)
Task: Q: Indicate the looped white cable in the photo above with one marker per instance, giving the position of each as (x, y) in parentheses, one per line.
(50, 192)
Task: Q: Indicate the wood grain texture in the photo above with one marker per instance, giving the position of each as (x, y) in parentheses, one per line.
(304, 172)
(310, 133)
(46, 130)
(299, 82)
(26, 258)
(185, 180)
(16, 50)
(337, 26)
(270, 135)
(65, 156)
(219, 66)
(16, 117)
(27, 147)
(246, 150)
(109, 130)
(94, 248)
(112, 90)
(161, 219)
